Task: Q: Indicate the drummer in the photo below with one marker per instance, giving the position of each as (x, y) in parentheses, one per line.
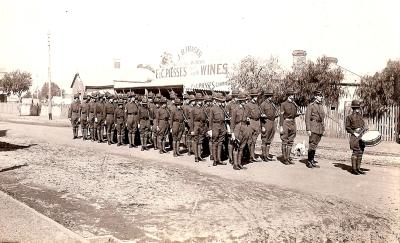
(355, 125)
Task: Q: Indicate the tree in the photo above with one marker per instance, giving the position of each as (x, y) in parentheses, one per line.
(378, 91)
(27, 95)
(321, 75)
(16, 82)
(251, 72)
(55, 90)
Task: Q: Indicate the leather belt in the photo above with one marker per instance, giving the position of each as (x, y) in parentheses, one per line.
(110, 113)
(135, 113)
(255, 119)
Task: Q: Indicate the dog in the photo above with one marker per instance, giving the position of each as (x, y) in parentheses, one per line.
(300, 149)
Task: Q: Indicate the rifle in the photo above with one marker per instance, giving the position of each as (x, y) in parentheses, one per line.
(185, 120)
(227, 121)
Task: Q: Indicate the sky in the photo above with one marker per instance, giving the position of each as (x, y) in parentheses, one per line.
(363, 35)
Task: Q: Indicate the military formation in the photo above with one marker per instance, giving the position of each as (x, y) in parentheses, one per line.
(219, 126)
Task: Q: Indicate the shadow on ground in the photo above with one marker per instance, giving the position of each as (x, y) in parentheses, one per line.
(12, 147)
(13, 167)
(346, 167)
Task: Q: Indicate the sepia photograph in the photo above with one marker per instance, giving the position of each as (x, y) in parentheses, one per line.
(199, 121)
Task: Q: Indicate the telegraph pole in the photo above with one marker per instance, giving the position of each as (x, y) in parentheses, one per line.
(49, 79)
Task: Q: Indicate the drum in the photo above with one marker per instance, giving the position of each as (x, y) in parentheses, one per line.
(371, 138)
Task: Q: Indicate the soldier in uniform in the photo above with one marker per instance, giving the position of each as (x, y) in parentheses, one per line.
(287, 125)
(315, 116)
(229, 108)
(254, 113)
(269, 113)
(73, 115)
(132, 120)
(162, 118)
(241, 134)
(154, 128)
(355, 126)
(144, 123)
(92, 106)
(99, 113)
(152, 106)
(198, 120)
(208, 103)
(109, 122)
(120, 120)
(84, 112)
(217, 126)
(177, 126)
(187, 110)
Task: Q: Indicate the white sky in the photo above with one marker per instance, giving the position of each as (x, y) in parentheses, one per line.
(363, 35)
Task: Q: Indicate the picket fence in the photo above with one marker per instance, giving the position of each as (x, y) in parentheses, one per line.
(335, 123)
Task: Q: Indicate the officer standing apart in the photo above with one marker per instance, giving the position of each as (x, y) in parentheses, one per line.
(73, 115)
(217, 127)
(287, 126)
(254, 113)
(240, 131)
(132, 120)
(177, 125)
(269, 113)
(315, 117)
(84, 112)
(355, 126)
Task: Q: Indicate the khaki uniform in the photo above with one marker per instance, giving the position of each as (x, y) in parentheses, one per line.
(198, 125)
(73, 114)
(288, 123)
(93, 132)
(315, 116)
(254, 113)
(241, 131)
(354, 123)
(189, 143)
(144, 121)
(109, 110)
(84, 113)
(119, 120)
(100, 115)
(152, 109)
(268, 126)
(229, 108)
(177, 124)
(162, 118)
(217, 126)
(132, 121)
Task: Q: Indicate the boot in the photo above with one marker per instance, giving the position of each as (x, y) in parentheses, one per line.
(163, 147)
(190, 146)
(214, 152)
(83, 134)
(358, 165)
(174, 148)
(309, 159)
(196, 152)
(178, 149)
(119, 138)
(252, 148)
(312, 159)
(267, 148)
(230, 152)
(263, 153)
(91, 134)
(235, 161)
(210, 148)
(112, 138)
(199, 152)
(354, 165)
(239, 158)
(155, 139)
(288, 151)
(284, 155)
(130, 140)
(219, 153)
(108, 138)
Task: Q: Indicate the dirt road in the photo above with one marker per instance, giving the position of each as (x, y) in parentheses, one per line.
(99, 189)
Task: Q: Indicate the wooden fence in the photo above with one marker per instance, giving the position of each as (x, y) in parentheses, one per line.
(335, 123)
